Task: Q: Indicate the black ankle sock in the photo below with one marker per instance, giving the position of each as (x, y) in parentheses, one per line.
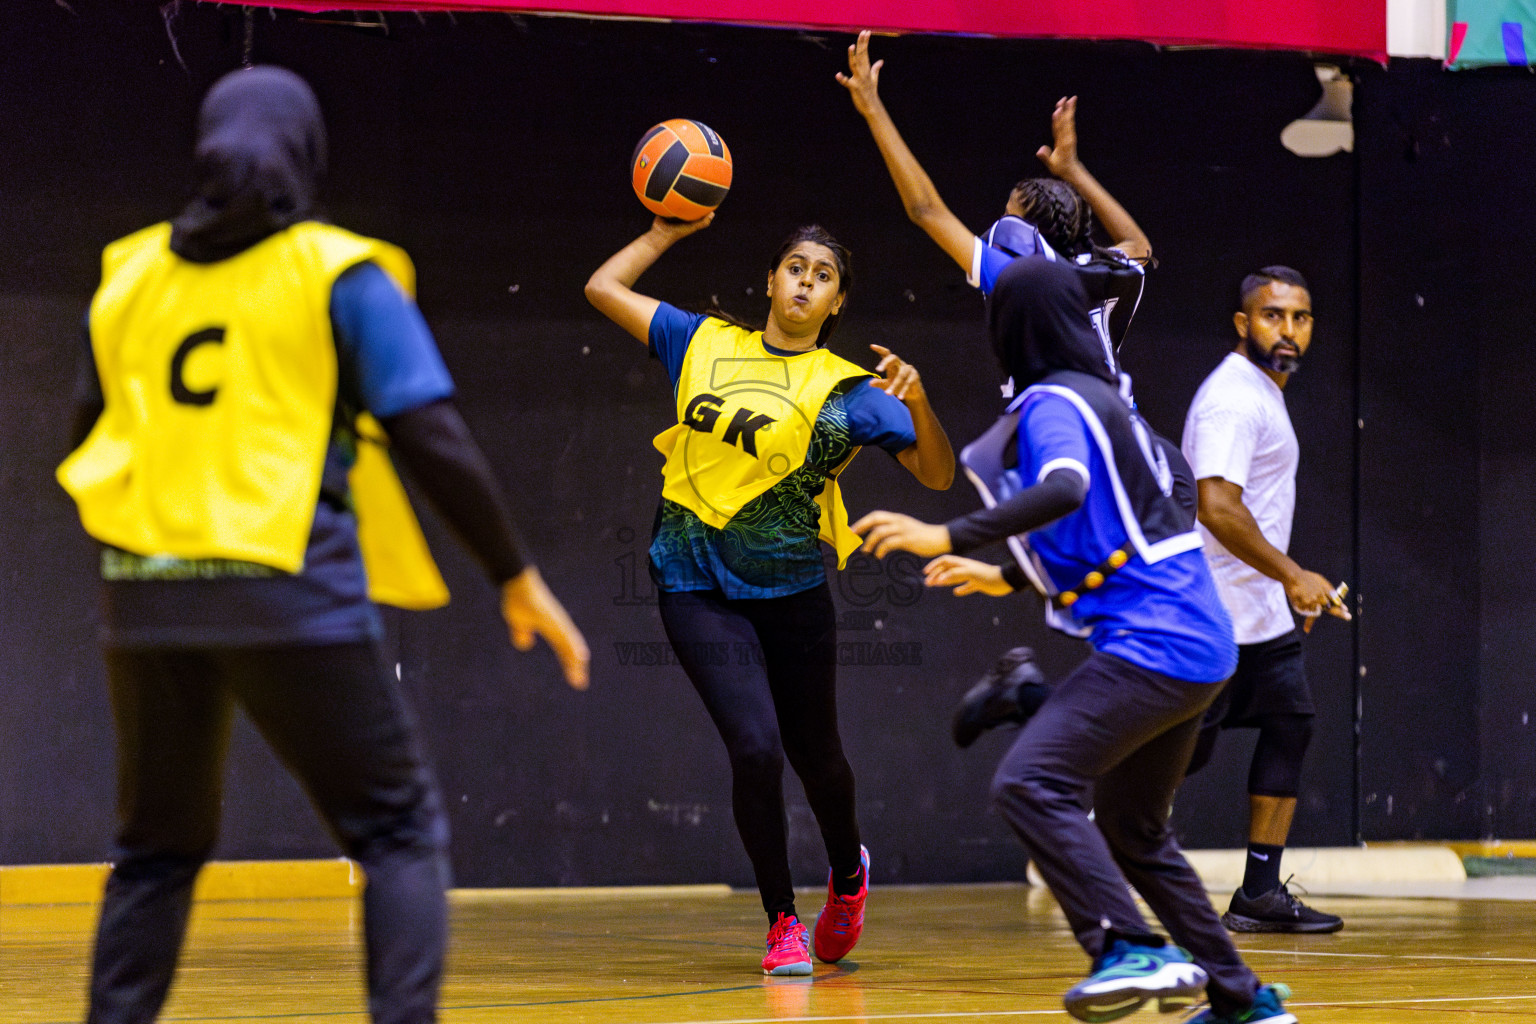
(1261, 872)
(1111, 935)
(848, 885)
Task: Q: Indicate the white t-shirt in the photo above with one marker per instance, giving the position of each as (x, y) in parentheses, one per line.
(1238, 429)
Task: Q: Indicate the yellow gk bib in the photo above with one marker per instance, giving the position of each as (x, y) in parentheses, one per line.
(745, 418)
(219, 382)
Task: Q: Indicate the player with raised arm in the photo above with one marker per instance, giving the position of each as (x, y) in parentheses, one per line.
(766, 420)
(1050, 217)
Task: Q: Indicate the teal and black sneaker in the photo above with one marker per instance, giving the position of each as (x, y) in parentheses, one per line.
(1268, 1008)
(1127, 975)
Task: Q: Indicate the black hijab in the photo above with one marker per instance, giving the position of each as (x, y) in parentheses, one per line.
(1038, 317)
(260, 156)
(1038, 314)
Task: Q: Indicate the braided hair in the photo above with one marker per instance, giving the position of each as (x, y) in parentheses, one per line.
(1059, 211)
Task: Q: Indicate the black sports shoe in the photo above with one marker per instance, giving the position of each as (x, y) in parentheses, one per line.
(1277, 911)
(1011, 691)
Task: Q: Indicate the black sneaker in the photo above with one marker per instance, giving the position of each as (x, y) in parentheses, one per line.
(1011, 691)
(1277, 911)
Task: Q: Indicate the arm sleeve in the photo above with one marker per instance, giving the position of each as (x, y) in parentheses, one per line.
(1013, 575)
(1059, 494)
(434, 444)
(1054, 454)
(671, 331)
(874, 417)
(390, 363)
(387, 355)
(1220, 439)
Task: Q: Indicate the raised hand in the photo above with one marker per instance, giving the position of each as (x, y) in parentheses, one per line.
(672, 229)
(863, 78)
(1061, 156)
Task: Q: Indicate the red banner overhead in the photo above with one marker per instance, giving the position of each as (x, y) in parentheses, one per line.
(1355, 27)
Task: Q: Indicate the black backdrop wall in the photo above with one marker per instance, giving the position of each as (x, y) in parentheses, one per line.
(494, 149)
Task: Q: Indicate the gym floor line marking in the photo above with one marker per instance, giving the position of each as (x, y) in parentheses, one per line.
(946, 1014)
(1397, 956)
(940, 1015)
(957, 1014)
(1422, 1001)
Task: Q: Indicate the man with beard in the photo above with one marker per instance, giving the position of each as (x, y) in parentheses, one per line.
(1239, 441)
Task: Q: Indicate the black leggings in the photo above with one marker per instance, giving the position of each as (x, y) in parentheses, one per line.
(336, 717)
(766, 670)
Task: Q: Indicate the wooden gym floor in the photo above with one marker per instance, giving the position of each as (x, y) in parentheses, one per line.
(933, 954)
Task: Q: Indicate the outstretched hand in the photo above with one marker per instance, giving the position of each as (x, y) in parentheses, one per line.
(1061, 157)
(966, 575)
(863, 78)
(884, 532)
(532, 611)
(899, 378)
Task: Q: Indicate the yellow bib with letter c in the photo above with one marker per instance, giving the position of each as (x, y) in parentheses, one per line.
(219, 382)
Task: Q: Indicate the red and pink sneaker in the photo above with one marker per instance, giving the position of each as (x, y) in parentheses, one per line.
(789, 948)
(842, 919)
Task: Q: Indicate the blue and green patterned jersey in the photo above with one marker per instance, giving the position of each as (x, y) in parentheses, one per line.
(769, 548)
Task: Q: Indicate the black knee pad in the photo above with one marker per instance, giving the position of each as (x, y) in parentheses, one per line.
(1282, 746)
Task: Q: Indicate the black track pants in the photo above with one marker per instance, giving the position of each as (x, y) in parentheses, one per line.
(1127, 734)
(337, 719)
